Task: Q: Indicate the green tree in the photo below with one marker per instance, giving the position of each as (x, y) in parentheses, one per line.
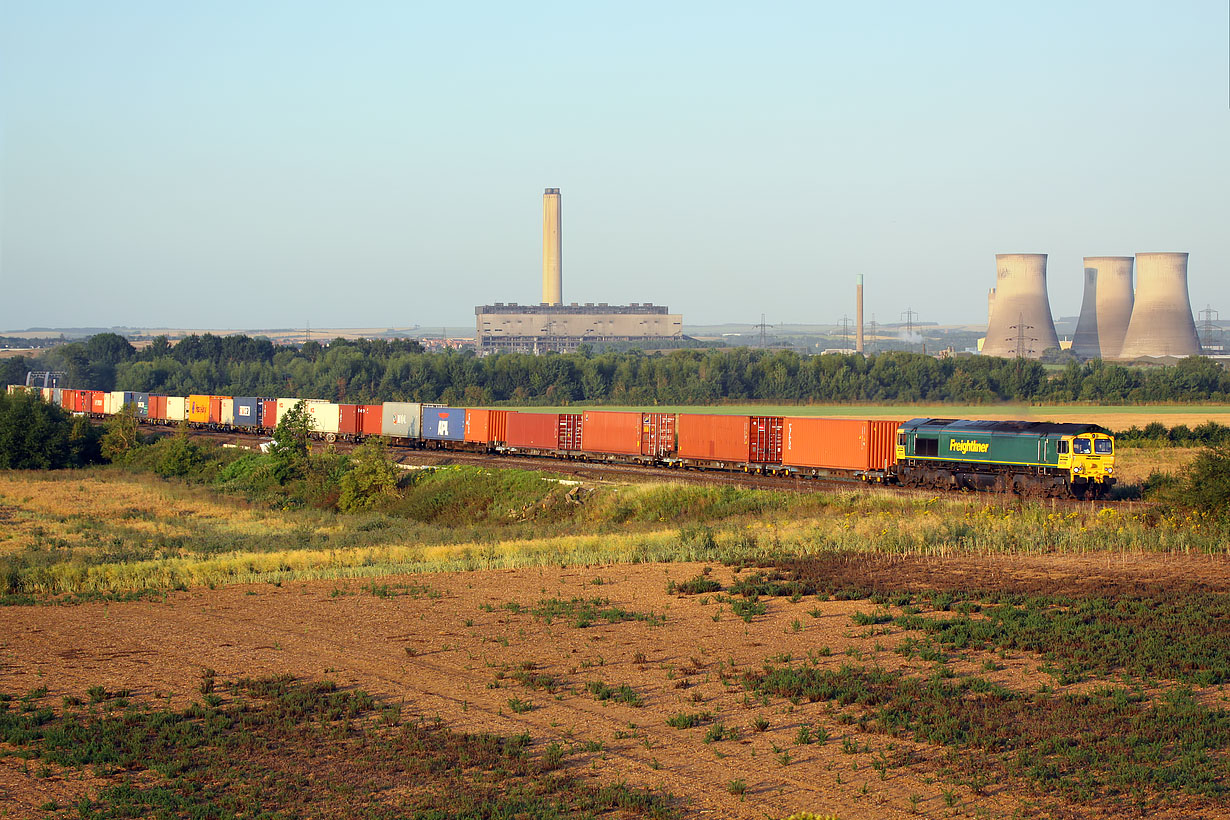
(34, 435)
(121, 434)
(372, 479)
(182, 456)
(291, 450)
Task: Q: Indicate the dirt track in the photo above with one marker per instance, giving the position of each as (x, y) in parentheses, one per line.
(440, 656)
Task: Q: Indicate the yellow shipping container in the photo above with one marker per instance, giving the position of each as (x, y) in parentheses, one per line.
(198, 409)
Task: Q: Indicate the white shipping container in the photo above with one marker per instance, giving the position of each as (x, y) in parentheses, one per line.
(323, 420)
(326, 416)
(113, 402)
(285, 406)
(177, 408)
(228, 410)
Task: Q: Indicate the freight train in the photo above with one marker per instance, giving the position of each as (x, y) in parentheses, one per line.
(1028, 458)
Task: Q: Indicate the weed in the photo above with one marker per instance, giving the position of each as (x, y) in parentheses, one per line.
(688, 720)
(736, 787)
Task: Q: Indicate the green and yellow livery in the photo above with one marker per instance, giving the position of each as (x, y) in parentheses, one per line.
(1046, 458)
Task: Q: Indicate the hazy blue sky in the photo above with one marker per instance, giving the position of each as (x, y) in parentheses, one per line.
(241, 164)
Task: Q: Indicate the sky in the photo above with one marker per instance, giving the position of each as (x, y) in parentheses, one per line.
(366, 164)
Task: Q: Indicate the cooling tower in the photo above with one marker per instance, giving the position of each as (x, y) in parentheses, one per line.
(1021, 323)
(552, 249)
(1161, 322)
(1114, 300)
(1085, 344)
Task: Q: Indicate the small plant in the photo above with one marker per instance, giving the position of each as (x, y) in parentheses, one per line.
(639, 658)
(718, 732)
(553, 756)
(736, 787)
(760, 723)
(520, 706)
(688, 720)
(696, 586)
(803, 736)
(97, 694)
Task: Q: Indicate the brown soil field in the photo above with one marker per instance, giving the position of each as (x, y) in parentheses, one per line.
(444, 644)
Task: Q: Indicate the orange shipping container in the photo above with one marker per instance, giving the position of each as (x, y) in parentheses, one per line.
(612, 432)
(348, 419)
(157, 407)
(98, 401)
(534, 430)
(839, 444)
(487, 426)
(369, 419)
(269, 414)
(215, 409)
(713, 438)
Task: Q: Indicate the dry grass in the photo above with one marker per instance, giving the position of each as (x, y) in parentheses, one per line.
(112, 533)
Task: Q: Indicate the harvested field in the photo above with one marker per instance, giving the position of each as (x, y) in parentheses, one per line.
(601, 660)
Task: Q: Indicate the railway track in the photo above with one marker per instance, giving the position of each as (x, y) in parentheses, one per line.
(600, 471)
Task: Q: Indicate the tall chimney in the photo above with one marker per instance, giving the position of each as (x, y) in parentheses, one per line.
(552, 249)
(858, 334)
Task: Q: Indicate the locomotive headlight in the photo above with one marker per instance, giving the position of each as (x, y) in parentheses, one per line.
(1110, 470)
(1076, 469)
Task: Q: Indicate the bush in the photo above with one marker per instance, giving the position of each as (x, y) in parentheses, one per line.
(371, 481)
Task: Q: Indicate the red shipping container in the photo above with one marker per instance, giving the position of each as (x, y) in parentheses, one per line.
(765, 436)
(215, 409)
(157, 407)
(98, 401)
(612, 432)
(348, 419)
(269, 413)
(533, 430)
(713, 438)
(657, 434)
(839, 444)
(369, 418)
(487, 426)
(571, 427)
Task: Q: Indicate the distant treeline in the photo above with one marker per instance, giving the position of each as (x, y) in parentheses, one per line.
(375, 371)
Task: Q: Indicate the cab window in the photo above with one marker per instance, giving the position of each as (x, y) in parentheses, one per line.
(1103, 446)
(1080, 446)
(901, 439)
(1062, 447)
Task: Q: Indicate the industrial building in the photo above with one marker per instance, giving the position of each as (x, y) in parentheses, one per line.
(554, 326)
(1020, 322)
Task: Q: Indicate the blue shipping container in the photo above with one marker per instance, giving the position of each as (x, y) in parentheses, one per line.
(444, 423)
(141, 400)
(248, 411)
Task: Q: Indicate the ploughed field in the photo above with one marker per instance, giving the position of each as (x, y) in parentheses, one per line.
(841, 653)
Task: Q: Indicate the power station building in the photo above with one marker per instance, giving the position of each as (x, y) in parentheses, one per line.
(554, 326)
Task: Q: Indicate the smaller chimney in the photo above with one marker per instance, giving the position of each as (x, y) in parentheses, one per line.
(858, 334)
